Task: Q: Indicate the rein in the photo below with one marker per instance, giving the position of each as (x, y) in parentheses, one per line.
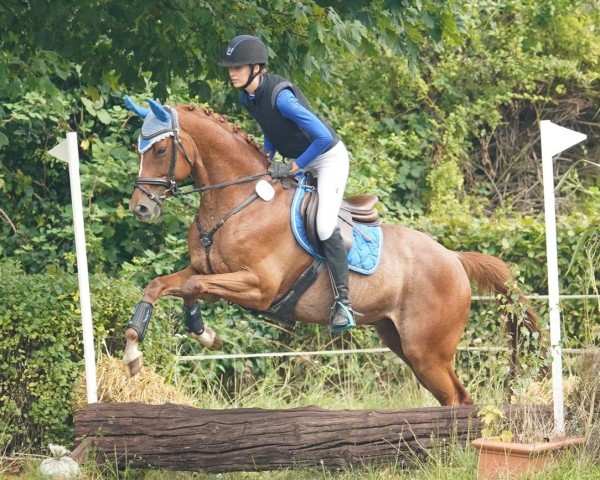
(172, 187)
(179, 193)
(169, 182)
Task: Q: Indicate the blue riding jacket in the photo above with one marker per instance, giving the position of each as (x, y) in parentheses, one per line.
(289, 125)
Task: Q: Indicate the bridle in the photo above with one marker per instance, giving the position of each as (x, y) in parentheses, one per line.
(173, 188)
(168, 182)
(171, 184)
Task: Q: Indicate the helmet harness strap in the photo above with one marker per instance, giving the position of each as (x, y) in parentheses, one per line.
(253, 75)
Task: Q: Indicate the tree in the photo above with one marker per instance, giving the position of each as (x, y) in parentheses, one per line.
(64, 66)
(113, 42)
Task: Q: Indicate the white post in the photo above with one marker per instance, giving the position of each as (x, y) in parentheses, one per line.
(555, 139)
(67, 151)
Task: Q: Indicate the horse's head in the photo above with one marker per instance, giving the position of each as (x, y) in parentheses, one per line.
(166, 157)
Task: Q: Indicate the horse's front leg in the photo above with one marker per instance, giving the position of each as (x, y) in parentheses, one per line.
(136, 328)
(242, 288)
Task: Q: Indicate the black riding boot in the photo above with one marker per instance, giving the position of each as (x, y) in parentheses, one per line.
(341, 317)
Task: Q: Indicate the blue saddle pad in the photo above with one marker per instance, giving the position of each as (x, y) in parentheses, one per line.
(367, 242)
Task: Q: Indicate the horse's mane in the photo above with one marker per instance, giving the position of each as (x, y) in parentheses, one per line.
(223, 122)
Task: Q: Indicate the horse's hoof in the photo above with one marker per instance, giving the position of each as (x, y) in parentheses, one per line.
(132, 366)
(217, 344)
(208, 338)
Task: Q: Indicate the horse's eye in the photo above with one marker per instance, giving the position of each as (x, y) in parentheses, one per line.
(161, 152)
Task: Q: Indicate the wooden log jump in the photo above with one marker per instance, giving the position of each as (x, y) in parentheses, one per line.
(183, 438)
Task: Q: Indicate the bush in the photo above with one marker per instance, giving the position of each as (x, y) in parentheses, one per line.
(42, 352)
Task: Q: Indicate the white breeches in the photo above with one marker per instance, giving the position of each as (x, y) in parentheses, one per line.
(331, 168)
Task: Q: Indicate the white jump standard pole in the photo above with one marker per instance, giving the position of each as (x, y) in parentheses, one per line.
(67, 151)
(555, 139)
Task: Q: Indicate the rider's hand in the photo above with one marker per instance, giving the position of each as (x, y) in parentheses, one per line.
(280, 169)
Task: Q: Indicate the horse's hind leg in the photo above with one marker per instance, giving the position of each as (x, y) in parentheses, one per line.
(441, 380)
(389, 334)
(431, 369)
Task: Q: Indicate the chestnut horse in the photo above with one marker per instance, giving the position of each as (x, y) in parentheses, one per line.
(244, 251)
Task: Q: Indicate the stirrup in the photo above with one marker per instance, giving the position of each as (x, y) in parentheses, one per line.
(349, 315)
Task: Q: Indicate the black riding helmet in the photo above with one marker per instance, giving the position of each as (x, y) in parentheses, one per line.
(244, 50)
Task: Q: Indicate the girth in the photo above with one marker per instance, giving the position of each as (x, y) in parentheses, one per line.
(284, 310)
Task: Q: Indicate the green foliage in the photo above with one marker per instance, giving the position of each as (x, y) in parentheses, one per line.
(448, 135)
(520, 240)
(123, 44)
(445, 135)
(493, 420)
(42, 357)
(474, 108)
(35, 186)
(515, 70)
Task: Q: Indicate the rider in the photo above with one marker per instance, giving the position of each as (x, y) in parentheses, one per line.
(294, 130)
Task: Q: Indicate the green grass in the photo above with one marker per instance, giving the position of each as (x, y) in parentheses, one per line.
(453, 463)
(354, 381)
(376, 381)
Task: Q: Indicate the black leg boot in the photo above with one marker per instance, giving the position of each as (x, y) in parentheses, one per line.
(341, 317)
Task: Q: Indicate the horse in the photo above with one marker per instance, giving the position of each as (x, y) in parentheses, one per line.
(242, 250)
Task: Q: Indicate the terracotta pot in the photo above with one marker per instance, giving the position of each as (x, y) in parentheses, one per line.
(506, 459)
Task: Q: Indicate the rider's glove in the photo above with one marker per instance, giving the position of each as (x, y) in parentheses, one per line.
(279, 169)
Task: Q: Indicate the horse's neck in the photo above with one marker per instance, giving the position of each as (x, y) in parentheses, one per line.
(225, 157)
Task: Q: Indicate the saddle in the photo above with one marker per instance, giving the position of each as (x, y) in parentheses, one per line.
(359, 223)
(357, 209)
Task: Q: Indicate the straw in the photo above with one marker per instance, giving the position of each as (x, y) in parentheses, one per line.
(114, 386)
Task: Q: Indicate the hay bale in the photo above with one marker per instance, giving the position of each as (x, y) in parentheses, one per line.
(114, 386)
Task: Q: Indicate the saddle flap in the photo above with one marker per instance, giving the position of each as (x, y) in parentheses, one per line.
(309, 206)
(345, 224)
(365, 254)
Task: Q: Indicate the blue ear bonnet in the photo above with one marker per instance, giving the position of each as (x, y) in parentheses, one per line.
(159, 122)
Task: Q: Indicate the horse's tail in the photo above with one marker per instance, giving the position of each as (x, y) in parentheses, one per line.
(492, 276)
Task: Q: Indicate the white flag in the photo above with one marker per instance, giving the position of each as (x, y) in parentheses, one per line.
(555, 138)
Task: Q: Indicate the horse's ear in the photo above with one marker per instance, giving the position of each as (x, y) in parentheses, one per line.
(141, 111)
(159, 111)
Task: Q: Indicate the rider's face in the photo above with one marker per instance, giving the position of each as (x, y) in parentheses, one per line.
(239, 75)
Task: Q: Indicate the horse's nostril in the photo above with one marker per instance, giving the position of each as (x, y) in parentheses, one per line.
(142, 211)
